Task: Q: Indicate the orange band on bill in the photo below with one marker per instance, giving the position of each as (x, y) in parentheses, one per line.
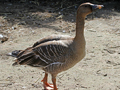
(100, 6)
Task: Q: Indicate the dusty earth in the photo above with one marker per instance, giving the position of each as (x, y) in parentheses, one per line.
(25, 24)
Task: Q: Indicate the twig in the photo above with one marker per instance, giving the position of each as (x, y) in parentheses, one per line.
(37, 80)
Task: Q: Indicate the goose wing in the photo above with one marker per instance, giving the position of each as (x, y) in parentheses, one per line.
(44, 54)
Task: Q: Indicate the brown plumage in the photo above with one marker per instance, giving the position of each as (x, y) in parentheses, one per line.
(55, 54)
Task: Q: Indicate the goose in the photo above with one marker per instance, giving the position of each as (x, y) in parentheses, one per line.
(55, 54)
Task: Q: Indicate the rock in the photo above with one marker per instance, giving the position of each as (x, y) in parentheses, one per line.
(63, 31)
(13, 28)
(24, 87)
(3, 38)
(105, 75)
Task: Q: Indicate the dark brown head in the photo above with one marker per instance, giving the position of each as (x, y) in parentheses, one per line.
(87, 8)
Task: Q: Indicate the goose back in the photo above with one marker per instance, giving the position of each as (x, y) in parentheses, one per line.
(52, 38)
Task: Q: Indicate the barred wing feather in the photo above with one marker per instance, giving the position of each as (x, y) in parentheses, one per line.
(43, 54)
(51, 52)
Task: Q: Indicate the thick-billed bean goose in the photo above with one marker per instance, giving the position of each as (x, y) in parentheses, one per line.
(55, 54)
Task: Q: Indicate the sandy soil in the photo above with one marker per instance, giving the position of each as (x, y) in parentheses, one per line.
(24, 25)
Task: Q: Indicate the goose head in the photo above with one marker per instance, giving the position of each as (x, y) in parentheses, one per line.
(87, 8)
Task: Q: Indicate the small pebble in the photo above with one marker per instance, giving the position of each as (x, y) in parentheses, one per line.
(23, 87)
(64, 31)
(1, 36)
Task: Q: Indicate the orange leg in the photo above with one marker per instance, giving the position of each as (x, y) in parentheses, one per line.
(47, 86)
(54, 82)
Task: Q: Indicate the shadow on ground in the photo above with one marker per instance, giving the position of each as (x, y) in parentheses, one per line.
(37, 15)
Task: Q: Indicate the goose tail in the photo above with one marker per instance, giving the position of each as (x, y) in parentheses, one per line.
(14, 53)
(24, 57)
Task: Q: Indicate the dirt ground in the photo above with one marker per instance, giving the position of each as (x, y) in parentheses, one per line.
(25, 24)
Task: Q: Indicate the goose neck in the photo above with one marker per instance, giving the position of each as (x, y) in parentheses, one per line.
(80, 21)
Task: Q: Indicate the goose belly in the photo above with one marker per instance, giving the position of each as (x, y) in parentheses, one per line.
(69, 62)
